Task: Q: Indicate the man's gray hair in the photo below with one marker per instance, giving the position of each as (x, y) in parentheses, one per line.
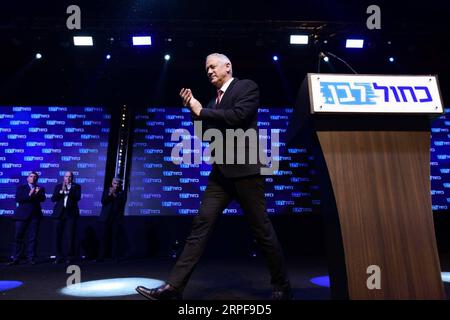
(223, 58)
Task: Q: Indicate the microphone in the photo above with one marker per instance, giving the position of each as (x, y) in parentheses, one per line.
(321, 56)
(327, 53)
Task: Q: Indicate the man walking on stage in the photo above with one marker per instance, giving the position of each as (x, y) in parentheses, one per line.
(235, 107)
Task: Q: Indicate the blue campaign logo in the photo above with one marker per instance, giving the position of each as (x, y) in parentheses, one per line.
(348, 93)
(416, 94)
(365, 93)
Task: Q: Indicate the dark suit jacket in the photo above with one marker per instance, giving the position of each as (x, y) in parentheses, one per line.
(238, 109)
(72, 209)
(27, 205)
(113, 207)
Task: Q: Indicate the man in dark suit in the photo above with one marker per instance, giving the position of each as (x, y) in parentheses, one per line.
(235, 107)
(111, 217)
(66, 212)
(27, 216)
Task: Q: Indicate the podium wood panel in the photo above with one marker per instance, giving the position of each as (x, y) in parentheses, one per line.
(381, 183)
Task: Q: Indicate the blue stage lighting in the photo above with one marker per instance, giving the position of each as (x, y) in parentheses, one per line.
(167, 57)
(391, 59)
(354, 43)
(275, 58)
(6, 285)
(299, 39)
(38, 56)
(142, 41)
(108, 56)
(110, 287)
(83, 41)
(323, 281)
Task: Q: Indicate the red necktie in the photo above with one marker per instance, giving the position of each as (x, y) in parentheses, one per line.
(219, 97)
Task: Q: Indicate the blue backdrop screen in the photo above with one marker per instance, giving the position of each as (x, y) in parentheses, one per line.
(440, 162)
(158, 186)
(51, 140)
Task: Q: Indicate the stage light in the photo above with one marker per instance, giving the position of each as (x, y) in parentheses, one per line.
(275, 58)
(323, 281)
(108, 56)
(83, 41)
(391, 59)
(354, 43)
(110, 287)
(299, 39)
(6, 285)
(167, 57)
(142, 41)
(326, 59)
(38, 56)
(445, 276)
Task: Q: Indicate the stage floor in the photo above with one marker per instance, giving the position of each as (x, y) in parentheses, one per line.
(214, 279)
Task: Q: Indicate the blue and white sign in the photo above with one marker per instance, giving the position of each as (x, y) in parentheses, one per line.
(345, 93)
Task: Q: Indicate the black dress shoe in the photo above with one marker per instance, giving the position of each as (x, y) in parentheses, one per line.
(282, 294)
(13, 263)
(164, 292)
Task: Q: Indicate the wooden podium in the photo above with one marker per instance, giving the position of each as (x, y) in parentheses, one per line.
(377, 209)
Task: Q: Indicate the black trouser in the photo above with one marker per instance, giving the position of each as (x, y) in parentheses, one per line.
(21, 226)
(109, 231)
(68, 225)
(220, 191)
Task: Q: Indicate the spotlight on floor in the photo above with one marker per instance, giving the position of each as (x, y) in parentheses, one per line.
(83, 41)
(275, 58)
(109, 287)
(6, 285)
(445, 276)
(38, 56)
(322, 281)
(167, 57)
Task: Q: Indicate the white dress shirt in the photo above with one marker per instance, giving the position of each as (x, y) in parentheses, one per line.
(226, 85)
(66, 194)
